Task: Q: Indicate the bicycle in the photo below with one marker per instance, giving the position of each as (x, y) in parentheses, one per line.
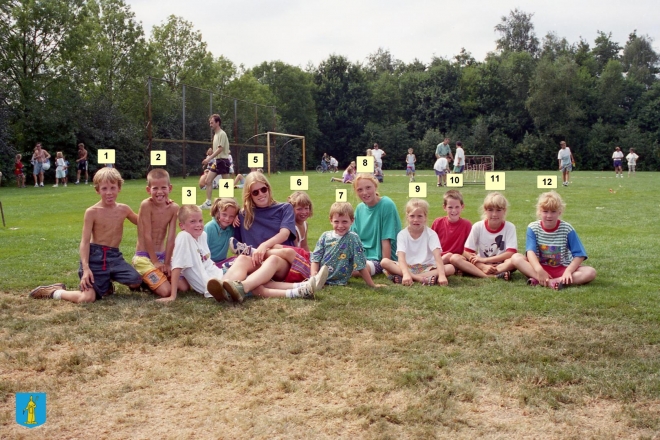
(328, 169)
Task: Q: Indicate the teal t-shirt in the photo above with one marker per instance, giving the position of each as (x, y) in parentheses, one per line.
(372, 225)
(218, 240)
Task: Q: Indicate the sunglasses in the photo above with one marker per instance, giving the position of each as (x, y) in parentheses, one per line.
(263, 190)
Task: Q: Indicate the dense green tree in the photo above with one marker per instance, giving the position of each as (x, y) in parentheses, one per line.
(517, 33)
(342, 95)
(639, 59)
(605, 50)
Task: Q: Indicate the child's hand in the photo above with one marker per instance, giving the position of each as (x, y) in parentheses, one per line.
(376, 286)
(259, 255)
(543, 277)
(567, 278)
(442, 281)
(87, 280)
(407, 280)
(166, 299)
(488, 269)
(474, 259)
(237, 222)
(165, 268)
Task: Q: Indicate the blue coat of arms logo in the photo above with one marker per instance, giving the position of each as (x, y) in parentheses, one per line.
(31, 409)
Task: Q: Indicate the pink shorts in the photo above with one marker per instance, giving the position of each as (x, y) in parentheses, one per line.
(300, 268)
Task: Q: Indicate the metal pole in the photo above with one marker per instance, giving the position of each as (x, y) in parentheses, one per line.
(268, 149)
(235, 120)
(183, 105)
(303, 146)
(149, 123)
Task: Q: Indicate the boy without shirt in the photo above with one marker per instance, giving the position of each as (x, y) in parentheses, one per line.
(156, 233)
(101, 262)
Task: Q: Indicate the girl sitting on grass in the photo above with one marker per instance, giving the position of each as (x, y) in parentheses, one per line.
(491, 243)
(554, 251)
(418, 250)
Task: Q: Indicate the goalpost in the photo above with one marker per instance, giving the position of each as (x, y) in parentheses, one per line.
(476, 167)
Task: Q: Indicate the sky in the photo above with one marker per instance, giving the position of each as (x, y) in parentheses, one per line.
(300, 32)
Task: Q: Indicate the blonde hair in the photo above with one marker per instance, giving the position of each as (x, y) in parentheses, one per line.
(414, 204)
(342, 208)
(301, 198)
(248, 203)
(19, 157)
(106, 174)
(158, 173)
(221, 205)
(493, 200)
(185, 211)
(369, 153)
(452, 194)
(550, 201)
(59, 154)
(367, 176)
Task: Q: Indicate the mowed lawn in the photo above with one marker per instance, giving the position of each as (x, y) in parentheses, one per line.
(479, 358)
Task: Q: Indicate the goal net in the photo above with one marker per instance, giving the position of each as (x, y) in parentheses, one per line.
(476, 168)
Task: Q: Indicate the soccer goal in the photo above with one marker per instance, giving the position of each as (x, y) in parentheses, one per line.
(476, 168)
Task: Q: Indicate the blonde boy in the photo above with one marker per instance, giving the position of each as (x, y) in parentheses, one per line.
(156, 233)
(101, 262)
(452, 230)
(192, 257)
(340, 251)
(554, 250)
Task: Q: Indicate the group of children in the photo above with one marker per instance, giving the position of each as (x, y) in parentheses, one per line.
(273, 258)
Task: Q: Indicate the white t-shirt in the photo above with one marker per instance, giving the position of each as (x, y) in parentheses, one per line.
(459, 159)
(420, 250)
(565, 156)
(617, 155)
(632, 158)
(193, 257)
(487, 243)
(441, 164)
(377, 154)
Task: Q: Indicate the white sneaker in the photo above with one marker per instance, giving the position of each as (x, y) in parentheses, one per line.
(55, 186)
(65, 184)
(306, 291)
(36, 185)
(205, 205)
(41, 184)
(318, 280)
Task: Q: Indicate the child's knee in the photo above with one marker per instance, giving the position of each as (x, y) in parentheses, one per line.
(455, 258)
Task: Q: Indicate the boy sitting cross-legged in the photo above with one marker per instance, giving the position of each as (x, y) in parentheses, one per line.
(101, 262)
(156, 233)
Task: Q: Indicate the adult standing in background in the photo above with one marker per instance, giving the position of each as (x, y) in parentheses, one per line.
(39, 157)
(444, 150)
(81, 163)
(220, 165)
(566, 161)
(378, 154)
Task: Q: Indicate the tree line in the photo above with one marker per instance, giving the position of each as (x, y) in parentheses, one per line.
(75, 71)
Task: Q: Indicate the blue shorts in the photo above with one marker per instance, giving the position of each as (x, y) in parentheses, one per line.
(568, 167)
(107, 264)
(82, 165)
(38, 168)
(459, 169)
(410, 169)
(617, 163)
(440, 173)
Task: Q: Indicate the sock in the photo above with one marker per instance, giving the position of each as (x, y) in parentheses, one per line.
(208, 202)
(296, 285)
(292, 293)
(58, 294)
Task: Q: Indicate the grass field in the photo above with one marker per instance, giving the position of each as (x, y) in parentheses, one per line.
(479, 358)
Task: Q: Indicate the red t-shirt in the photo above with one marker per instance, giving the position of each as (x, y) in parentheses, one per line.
(18, 168)
(452, 235)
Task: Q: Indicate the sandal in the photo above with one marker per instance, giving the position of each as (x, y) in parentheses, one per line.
(556, 284)
(429, 281)
(532, 282)
(506, 276)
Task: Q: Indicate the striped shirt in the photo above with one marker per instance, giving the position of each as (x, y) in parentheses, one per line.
(556, 247)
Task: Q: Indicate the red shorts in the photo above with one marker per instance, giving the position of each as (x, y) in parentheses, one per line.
(554, 271)
(300, 268)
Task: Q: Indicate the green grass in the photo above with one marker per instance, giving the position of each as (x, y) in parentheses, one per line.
(406, 362)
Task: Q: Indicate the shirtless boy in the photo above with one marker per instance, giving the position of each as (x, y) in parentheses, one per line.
(156, 233)
(101, 262)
